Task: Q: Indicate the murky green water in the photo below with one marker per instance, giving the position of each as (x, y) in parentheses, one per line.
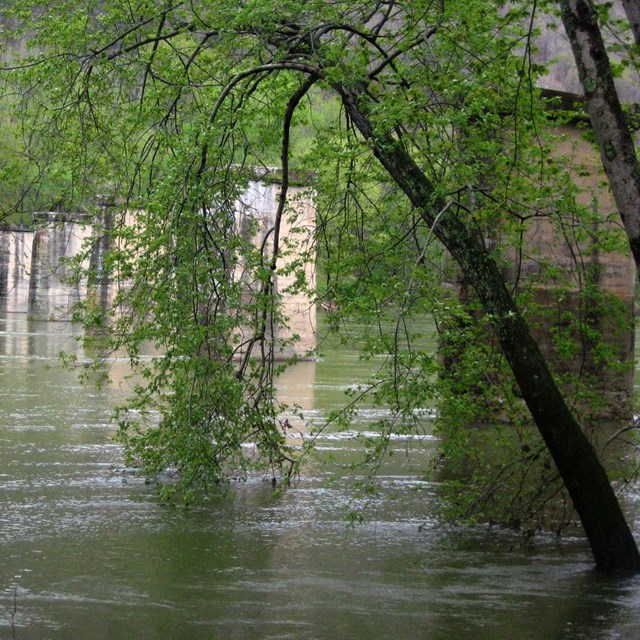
(86, 551)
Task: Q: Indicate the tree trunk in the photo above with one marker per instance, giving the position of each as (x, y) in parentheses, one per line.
(617, 149)
(632, 9)
(613, 546)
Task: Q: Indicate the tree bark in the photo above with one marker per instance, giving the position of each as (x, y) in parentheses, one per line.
(613, 546)
(632, 9)
(617, 149)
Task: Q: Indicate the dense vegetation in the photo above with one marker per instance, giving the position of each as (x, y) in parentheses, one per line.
(421, 128)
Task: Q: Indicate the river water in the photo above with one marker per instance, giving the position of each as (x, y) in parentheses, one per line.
(87, 551)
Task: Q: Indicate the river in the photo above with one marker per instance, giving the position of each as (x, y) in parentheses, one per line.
(87, 551)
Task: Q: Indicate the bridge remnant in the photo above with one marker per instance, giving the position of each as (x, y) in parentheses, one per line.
(37, 277)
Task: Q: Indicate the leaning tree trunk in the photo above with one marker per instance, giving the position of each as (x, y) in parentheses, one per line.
(617, 149)
(613, 546)
(632, 9)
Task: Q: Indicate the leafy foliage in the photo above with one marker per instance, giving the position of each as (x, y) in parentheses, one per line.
(171, 107)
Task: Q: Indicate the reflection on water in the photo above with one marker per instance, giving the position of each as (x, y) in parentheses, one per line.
(88, 552)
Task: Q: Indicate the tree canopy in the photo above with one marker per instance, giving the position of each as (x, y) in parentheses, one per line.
(420, 127)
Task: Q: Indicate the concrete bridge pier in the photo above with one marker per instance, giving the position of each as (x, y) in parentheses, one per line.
(575, 281)
(55, 285)
(44, 272)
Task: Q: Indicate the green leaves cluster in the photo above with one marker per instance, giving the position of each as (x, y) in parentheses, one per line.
(170, 108)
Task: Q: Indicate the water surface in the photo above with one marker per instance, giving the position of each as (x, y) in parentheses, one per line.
(86, 550)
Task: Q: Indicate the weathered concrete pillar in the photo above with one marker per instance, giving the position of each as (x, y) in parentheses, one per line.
(99, 285)
(576, 281)
(53, 287)
(15, 258)
(591, 299)
(256, 215)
